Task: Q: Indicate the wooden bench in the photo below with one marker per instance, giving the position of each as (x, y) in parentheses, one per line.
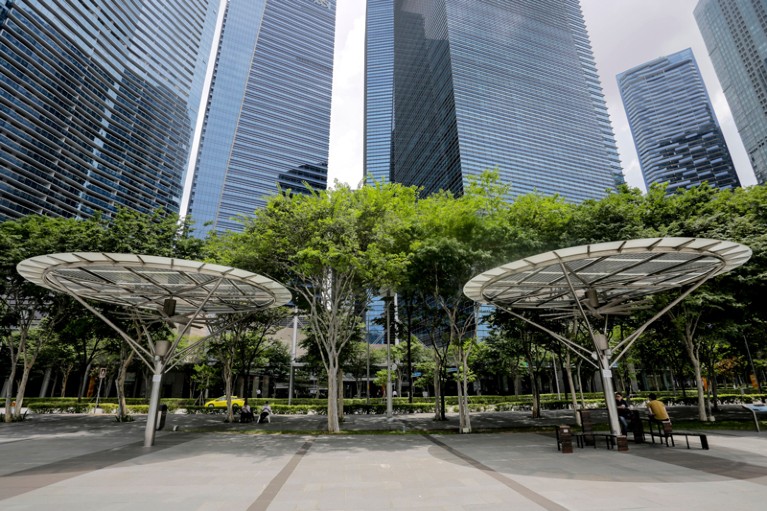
(687, 434)
(665, 432)
(581, 436)
(662, 430)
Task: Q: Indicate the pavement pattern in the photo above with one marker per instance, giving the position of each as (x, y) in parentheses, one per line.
(82, 462)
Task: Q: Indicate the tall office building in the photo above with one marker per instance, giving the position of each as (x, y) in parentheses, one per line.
(98, 99)
(675, 130)
(267, 123)
(455, 87)
(735, 32)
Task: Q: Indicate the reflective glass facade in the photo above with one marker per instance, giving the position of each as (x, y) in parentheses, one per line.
(735, 32)
(379, 90)
(675, 130)
(267, 121)
(97, 103)
(473, 85)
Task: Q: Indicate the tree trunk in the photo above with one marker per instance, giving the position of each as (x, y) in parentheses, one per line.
(21, 390)
(46, 382)
(228, 383)
(571, 383)
(122, 373)
(65, 372)
(463, 393)
(633, 377)
(689, 344)
(332, 371)
(340, 379)
(437, 395)
(535, 389)
(84, 381)
(11, 379)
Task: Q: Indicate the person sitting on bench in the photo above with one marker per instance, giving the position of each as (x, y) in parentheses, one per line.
(266, 413)
(624, 413)
(246, 413)
(658, 413)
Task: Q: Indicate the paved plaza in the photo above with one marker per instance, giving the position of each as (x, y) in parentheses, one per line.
(80, 462)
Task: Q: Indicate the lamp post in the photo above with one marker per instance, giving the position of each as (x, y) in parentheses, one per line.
(293, 356)
(389, 407)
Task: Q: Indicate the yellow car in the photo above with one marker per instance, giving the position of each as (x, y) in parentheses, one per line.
(220, 402)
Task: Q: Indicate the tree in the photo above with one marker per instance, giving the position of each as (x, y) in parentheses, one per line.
(329, 248)
(23, 304)
(456, 239)
(244, 339)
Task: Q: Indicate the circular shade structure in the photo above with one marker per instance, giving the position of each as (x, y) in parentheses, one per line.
(146, 282)
(605, 277)
(177, 290)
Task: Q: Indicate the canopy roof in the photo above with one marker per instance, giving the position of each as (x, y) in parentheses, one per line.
(618, 272)
(146, 282)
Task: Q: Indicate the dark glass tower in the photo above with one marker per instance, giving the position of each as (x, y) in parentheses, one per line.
(675, 130)
(267, 122)
(455, 87)
(98, 100)
(735, 32)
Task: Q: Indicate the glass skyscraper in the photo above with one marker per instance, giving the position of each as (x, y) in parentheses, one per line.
(735, 33)
(456, 87)
(675, 130)
(267, 122)
(98, 100)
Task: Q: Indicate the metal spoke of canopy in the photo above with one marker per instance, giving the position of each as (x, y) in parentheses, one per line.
(147, 281)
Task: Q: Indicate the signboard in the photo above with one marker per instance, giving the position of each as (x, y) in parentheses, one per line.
(103, 373)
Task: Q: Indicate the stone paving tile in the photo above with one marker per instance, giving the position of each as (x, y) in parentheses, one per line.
(88, 463)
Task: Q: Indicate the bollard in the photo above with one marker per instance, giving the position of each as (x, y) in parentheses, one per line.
(636, 426)
(623, 442)
(566, 439)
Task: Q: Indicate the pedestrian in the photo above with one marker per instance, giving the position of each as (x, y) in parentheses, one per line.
(246, 413)
(657, 410)
(624, 413)
(266, 414)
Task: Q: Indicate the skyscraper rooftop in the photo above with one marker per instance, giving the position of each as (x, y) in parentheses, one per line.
(675, 130)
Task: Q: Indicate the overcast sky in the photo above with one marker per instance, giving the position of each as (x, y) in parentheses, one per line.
(624, 34)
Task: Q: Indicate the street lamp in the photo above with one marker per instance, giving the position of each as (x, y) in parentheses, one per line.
(389, 406)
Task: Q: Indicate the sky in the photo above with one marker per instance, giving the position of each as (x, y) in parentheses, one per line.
(624, 34)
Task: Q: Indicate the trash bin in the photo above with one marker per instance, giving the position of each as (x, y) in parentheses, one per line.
(565, 437)
(161, 414)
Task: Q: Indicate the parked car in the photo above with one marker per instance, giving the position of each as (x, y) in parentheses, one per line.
(220, 402)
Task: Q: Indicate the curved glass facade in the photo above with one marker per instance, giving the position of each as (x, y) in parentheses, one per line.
(267, 121)
(735, 33)
(478, 85)
(97, 103)
(675, 130)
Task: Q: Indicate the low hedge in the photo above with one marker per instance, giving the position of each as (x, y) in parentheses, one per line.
(354, 406)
